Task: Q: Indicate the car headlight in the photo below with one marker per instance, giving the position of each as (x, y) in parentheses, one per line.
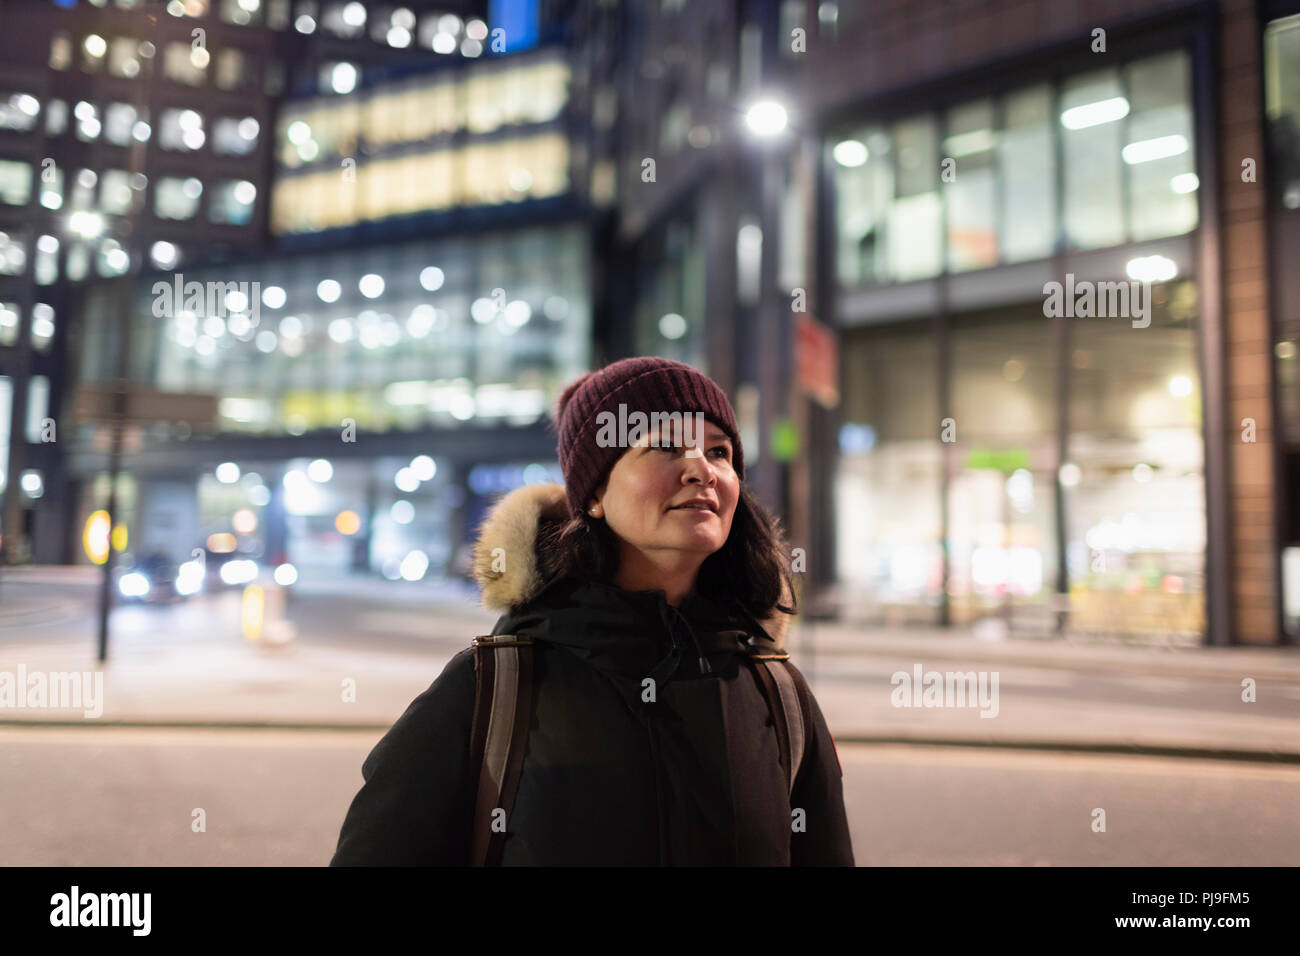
(133, 584)
(189, 580)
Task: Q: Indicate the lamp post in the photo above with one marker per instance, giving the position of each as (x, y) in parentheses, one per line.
(768, 123)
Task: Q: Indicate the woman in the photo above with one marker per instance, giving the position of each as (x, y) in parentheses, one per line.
(646, 585)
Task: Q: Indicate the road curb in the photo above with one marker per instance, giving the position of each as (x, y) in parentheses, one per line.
(1079, 746)
(1059, 746)
(195, 725)
(1126, 668)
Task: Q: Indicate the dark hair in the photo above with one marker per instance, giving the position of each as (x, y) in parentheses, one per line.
(747, 570)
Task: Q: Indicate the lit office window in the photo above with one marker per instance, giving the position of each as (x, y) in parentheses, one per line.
(232, 203)
(45, 270)
(1158, 154)
(83, 189)
(93, 48)
(186, 8)
(42, 326)
(234, 136)
(15, 182)
(8, 336)
(912, 224)
(124, 57)
(176, 198)
(56, 118)
(180, 63)
(88, 124)
(18, 111)
(111, 259)
(1282, 108)
(344, 18)
(181, 130)
(13, 254)
(78, 261)
(970, 187)
(38, 399)
(60, 51)
(51, 187)
(119, 123)
(232, 69)
(1027, 167)
(242, 13)
(1093, 113)
(115, 193)
(319, 134)
(863, 184)
(277, 14)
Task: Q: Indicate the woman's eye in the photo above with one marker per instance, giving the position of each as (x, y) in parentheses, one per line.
(726, 452)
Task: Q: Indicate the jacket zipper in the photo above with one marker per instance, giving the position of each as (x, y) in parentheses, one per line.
(659, 803)
(654, 758)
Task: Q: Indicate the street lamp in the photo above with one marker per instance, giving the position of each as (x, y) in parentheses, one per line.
(766, 118)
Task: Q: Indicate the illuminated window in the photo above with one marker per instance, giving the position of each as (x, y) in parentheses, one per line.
(242, 13)
(115, 193)
(119, 123)
(56, 118)
(8, 336)
(232, 203)
(180, 63)
(176, 198)
(42, 329)
(232, 69)
(235, 136)
(124, 57)
(13, 254)
(18, 111)
(15, 182)
(181, 130)
(60, 51)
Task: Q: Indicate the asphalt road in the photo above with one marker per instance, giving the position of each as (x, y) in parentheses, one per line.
(385, 618)
(106, 796)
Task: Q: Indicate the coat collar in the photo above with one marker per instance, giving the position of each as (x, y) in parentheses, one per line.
(506, 564)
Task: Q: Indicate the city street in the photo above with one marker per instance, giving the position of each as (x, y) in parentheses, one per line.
(92, 793)
(278, 798)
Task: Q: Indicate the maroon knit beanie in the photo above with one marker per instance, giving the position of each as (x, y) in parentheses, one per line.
(647, 384)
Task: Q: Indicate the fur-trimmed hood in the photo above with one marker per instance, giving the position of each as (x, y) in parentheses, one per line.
(506, 559)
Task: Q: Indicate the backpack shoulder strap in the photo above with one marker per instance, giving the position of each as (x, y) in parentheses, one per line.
(503, 697)
(785, 695)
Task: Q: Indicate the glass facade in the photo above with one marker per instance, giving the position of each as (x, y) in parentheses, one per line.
(975, 185)
(970, 506)
(889, 484)
(428, 144)
(670, 305)
(1281, 48)
(434, 332)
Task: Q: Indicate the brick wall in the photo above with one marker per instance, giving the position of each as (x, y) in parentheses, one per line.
(1249, 343)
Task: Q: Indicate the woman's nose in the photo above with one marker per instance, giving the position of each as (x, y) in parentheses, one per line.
(698, 468)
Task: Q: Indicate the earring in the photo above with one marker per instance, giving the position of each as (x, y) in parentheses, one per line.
(595, 509)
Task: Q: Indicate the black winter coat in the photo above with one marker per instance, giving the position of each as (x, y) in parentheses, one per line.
(693, 778)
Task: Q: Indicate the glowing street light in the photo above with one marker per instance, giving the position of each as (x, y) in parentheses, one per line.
(766, 118)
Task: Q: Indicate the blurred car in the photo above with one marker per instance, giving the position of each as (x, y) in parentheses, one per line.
(156, 579)
(231, 569)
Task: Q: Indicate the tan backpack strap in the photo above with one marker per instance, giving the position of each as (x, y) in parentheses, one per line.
(503, 693)
(778, 687)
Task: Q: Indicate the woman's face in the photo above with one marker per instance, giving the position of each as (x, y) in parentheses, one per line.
(642, 495)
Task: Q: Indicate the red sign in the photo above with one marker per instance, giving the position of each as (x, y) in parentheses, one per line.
(817, 360)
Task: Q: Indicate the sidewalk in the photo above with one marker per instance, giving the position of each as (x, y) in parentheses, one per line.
(300, 684)
(830, 640)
